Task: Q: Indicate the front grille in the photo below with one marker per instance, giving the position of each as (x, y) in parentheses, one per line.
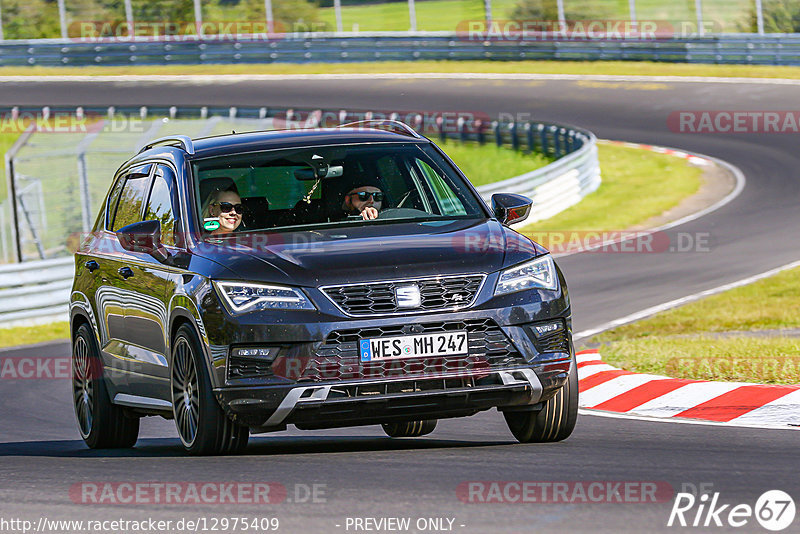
(338, 356)
(445, 293)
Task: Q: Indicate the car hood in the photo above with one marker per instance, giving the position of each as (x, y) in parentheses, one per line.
(368, 252)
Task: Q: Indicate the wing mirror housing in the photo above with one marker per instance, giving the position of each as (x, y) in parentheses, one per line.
(510, 208)
(143, 237)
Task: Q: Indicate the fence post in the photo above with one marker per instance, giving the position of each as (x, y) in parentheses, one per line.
(479, 130)
(62, 17)
(21, 141)
(543, 138)
(498, 138)
(198, 17)
(698, 7)
(83, 187)
(337, 10)
(760, 17)
(129, 18)
(412, 16)
(268, 14)
(487, 12)
(562, 19)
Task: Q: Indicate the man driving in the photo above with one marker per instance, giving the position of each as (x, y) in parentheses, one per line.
(365, 200)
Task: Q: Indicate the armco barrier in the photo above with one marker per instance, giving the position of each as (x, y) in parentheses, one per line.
(36, 291)
(751, 49)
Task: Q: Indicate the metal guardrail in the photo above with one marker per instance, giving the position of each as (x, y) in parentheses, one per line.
(38, 291)
(753, 49)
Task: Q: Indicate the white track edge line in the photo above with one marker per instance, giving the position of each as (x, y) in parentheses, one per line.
(204, 78)
(616, 415)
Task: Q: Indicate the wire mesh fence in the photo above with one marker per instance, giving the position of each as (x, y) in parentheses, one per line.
(85, 19)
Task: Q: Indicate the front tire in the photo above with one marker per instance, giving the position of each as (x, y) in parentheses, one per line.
(555, 422)
(203, 427)
(102, 424)
(411, 429)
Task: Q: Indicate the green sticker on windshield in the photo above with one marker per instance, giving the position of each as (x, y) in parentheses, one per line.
(211, 225)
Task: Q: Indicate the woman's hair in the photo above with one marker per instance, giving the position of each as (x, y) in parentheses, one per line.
(211, 198)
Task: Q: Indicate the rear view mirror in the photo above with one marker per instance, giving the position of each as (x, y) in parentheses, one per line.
(307, 173)
(511, 208)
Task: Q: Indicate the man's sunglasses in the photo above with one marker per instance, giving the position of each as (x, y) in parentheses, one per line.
(226, 207)
(377, 196)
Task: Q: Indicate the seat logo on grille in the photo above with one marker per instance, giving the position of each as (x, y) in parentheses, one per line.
(408, 296)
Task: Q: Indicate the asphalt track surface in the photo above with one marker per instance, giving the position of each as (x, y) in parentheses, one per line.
(367, 475)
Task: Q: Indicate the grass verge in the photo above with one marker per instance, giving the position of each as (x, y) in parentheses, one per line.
(622, 68)
(6, 141)
(681, 342)
(26, 335)
(660, 181)
(490, 163)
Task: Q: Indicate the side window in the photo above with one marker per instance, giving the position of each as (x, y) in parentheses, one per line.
(161, 206)
(446, 199)
(131, 199)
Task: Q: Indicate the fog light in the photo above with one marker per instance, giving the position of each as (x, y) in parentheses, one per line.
(257, 353)
(544, 329)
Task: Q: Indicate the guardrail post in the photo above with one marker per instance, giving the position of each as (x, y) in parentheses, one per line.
(498, 137)
(543, 138)
(512, 129)
(529, 137)
(440, 127)
(479, 131)
(556, 141)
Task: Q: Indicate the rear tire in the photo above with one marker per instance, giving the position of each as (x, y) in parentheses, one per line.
(555, 422)
(102, 424)
(411, 429)
(203, 427)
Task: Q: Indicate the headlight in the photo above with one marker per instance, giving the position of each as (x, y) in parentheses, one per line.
(539, 273)
(243, 298)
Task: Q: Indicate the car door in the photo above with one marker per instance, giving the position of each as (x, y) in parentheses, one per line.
(124, 203)
(149, 286)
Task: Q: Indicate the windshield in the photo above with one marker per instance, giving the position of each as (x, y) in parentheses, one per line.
(329, 186)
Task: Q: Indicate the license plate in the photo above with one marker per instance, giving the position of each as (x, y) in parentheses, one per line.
(416, 346)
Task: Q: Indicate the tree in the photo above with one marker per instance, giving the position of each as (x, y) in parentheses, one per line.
(780, 16)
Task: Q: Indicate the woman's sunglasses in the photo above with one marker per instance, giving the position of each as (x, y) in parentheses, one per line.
(226, 207)
(377, 196)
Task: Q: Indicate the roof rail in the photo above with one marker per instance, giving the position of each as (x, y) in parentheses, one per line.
(183, 140)
(396, 126)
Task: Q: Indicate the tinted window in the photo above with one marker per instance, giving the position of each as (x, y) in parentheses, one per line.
(113, 196)
(278, 188)
(161, 205)
(129, 207)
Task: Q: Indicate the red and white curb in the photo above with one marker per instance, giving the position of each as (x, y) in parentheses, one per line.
(609, 389)
(695, 159)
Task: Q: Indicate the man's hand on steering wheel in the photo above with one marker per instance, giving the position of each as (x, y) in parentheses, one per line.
(369, 213)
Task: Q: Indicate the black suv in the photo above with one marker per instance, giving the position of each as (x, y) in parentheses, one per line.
(320, 278)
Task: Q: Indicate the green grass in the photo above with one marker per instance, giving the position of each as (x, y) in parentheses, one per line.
(660, 181)
(489, 163)
(678, 342)
(772, 303)
(746, 359)
(630, 68)
(26, 335)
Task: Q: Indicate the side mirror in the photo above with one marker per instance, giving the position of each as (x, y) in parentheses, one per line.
(144, 237)
(510, 208)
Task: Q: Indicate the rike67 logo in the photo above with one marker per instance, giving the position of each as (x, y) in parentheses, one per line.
(774, 510)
